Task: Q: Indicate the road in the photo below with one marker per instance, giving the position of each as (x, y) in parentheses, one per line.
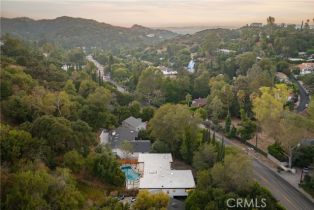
(285, 193)
(304, 97)
(106, 77)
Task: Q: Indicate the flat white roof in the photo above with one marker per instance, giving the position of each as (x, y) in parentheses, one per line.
(158, 174)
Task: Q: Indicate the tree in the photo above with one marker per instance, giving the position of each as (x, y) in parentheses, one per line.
(147, 113)
(86, 87)
(135, 109)
(245, 61)
(105, 166)
(73, 160)
(28, 191)
(188, 99)
(17, 145)
(228, 124)
(234, 174)
(216, 107)
(40, 190)
(269, 107)
(127, 148)
(149, 86)
(205, 157)
(146, 200)
(270, 20)
(69, 87)
(172, 124)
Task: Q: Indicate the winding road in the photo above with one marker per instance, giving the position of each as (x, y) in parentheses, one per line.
(106, 77)
(304, 97)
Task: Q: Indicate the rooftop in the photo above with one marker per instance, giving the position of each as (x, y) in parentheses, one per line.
(134, 122)
(120, 134)
(158, 174)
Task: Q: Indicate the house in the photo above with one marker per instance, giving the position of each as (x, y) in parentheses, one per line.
(256, 25)
(226, 51)
(128, 131)
(168, 72)
(191, 66)
(134, 123)
(306, 68)
(199, 102)
(157, 175)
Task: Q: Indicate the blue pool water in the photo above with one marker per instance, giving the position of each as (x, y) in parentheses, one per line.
(130, 174)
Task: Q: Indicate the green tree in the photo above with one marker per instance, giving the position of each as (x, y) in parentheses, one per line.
(149, 87)
(235, 173)
(73, 160)
(105, 166)
(172, 124)
(205, 157)
(147, 113)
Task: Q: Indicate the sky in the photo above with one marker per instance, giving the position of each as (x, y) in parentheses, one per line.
(164, 13)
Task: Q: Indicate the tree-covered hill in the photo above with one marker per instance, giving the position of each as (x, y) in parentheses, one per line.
(79, 32)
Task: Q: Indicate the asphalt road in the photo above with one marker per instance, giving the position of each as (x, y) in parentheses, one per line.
(286, 194)
(107, 78)
(304, 98)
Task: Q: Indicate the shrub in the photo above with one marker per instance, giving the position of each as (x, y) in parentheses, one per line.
(277, 151)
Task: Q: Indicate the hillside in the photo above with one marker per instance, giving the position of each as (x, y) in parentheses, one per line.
(74, 32)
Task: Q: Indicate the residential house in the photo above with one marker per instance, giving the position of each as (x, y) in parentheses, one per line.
(158, 176)
(256, 25)
(128, 131)
(306, 68)
(168, 72)
(226, 51)
(199, 102)
(191, 66)
(134, 123)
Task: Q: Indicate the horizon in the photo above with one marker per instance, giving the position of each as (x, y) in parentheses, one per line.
(174, 13)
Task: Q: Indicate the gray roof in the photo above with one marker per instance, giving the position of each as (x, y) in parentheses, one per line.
(121, 134)
(141, 145)
(134, 122)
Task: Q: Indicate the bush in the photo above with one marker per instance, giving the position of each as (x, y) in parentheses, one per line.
(277, 151)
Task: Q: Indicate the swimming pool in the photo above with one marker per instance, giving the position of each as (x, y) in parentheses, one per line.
(130, 174)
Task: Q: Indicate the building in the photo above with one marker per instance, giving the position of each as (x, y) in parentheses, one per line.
(199, 102)
(256, 25)
(306, 68)
(134, 123)
(128, 131)
(157, 175)
(226, 51)
(168, 72)
(191, 66)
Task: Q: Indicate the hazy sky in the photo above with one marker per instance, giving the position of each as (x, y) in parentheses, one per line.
(164, 12)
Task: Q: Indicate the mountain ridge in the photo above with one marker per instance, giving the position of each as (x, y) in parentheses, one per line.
(75, 32)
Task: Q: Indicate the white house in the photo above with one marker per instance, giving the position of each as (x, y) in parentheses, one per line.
(134, 123)
(306, 68)
(191, 66)
(168, 72)
(157, 175)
